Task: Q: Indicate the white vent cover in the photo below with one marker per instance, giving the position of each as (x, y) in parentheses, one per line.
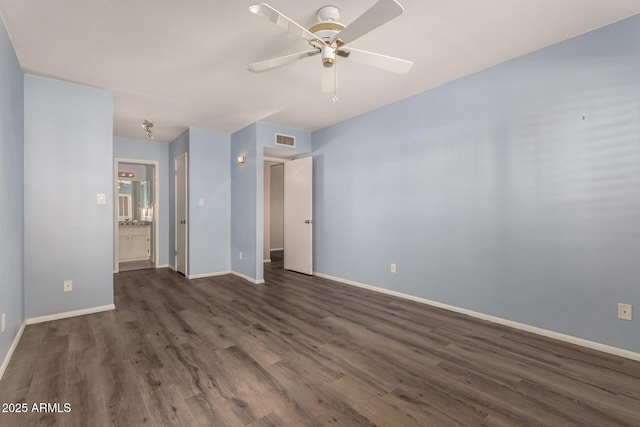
(285, 140)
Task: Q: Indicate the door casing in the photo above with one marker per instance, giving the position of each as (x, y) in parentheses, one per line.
(156, 213)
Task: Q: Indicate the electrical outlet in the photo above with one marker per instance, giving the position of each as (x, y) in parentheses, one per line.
(625, 311)
(4, 320)
(393, 268)
(240, 255)
(68, 285)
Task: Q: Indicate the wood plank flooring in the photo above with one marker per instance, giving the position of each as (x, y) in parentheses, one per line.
(135, 265)
(303, 351)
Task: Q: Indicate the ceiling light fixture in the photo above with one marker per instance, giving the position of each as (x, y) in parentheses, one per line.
(147, 125)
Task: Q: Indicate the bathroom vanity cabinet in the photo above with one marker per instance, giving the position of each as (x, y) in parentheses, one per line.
(134, 242)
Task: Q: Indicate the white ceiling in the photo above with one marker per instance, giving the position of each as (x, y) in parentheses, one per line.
(182, 63)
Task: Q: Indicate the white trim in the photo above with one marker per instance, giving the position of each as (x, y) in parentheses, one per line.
(267, 260)
(163, 266)
(116, 243)
(14, 344)
(200, 276)
(247, 278)
(516, 325)
(275, 159)
(66, 314)
(171, 267)
(276, 249)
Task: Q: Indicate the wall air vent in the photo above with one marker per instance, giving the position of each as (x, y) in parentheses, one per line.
(285, 140)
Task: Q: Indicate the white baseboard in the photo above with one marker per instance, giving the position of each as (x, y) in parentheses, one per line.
(276, 249)
(247, 278)
(163, 266)
(58, 316)
(516, 325)
(199, 276)
(267, 260)
(14, 344)
(171, 267)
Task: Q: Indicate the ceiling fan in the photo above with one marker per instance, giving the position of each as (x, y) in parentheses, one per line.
(329, 39)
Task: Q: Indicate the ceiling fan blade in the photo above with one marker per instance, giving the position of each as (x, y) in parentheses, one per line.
(384, 62)
(263, 9)
(329, 80)
(380, 13)
(258, 67)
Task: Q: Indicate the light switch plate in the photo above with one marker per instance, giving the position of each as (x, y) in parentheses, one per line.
(201, 202)
(101, 199)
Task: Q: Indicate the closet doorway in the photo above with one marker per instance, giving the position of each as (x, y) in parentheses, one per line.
(136, 215)
(274, 213)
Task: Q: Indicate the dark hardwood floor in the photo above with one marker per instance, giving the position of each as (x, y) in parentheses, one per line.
(303, 351)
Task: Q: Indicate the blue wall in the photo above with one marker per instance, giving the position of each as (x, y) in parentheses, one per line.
(244, 203)
(514, 192)
(209, 179)
(143, 149)
(68, 158)
(11, 191)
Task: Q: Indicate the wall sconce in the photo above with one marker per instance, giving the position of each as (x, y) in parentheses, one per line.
(240, 159)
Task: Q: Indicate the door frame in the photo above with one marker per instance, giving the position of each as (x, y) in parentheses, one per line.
(186, 213)
(156, 203)
(282, 160)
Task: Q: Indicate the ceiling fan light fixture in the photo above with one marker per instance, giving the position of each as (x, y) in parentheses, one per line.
(328, 56)
(329, 38)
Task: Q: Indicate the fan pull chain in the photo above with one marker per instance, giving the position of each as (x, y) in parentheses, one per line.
(335, 81)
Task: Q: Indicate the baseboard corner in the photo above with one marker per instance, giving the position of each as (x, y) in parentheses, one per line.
(12, 348)
(67, 314)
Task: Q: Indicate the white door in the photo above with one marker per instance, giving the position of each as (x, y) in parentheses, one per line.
(181, 214)
(298, 215)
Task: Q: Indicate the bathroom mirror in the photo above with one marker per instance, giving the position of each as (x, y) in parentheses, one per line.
(135, 194)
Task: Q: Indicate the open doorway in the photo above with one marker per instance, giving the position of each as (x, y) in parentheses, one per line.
(136, 201)
(288, 210)
(274, 213)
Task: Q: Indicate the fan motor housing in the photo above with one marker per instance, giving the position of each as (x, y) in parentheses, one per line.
(328, 26)
(328, 13)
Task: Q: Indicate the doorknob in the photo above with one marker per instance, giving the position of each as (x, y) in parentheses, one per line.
(308, 221)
